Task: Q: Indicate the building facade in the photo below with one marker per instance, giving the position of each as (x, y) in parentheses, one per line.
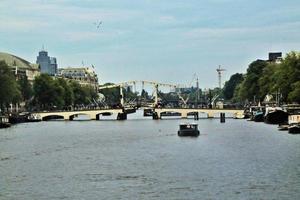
(47, 64)
(83, 75)
(20, 67)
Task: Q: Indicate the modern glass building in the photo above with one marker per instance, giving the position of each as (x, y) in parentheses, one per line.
(47, 64)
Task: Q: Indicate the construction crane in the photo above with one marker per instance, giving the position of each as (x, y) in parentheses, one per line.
(219, 70)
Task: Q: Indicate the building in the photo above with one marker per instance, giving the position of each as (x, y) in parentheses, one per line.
(275, 57)
(83, 75)
(21, 67)
(47, 64)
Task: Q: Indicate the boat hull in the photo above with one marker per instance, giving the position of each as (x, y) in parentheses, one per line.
(188, 133)
(276, 117)
(294, 129)
(258, 117)
(5, 125)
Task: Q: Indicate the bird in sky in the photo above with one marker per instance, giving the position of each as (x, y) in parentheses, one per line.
(98, 24)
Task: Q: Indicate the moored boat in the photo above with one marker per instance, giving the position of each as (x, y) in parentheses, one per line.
(294, 128)
(187, 129)
(275, 115)
(283, 127)
(258, 116)
(4, 122)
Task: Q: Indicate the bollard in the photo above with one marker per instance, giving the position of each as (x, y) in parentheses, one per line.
(222, 117)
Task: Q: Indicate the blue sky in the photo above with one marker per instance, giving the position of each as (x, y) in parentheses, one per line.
(163, 40)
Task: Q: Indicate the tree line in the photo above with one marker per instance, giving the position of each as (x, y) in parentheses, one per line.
(46, 93)
(266, 78)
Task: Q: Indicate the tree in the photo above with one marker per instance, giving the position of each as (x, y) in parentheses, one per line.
(26, 89)
(288, 74)
(68, 92)
(229, 88)
(9, 89)
(249, 88)
(294, 95)
(48, 93)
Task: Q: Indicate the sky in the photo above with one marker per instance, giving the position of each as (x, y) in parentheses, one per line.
(157, 40)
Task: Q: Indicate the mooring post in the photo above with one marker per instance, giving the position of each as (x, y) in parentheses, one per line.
(196, 116)
(222, 117)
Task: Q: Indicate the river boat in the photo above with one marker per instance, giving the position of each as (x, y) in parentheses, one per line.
(254, 113)
(4, 122)
(33, 118)
(190, 130)
(283, 127)
(258, 116)
(294, 128)
(275, 115)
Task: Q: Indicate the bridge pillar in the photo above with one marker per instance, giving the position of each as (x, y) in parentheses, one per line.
(210, 115)
(122, 116)
(93, 116)
(184, 115)
(98, 117)
(69, 117)
(156, 116)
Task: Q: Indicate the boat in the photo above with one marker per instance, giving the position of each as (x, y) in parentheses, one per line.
(275, 115)
(254, 113)
(258, 116)
(33, 118)
(294, 128)
(4, 122)
(283, 127)
(187, 129)
(294, 123)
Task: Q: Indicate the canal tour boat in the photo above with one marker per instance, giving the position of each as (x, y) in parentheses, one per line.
(4, 122)
(187, 129)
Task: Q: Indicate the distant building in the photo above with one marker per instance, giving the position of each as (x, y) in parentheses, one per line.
(83, 75)
(48, 64)
(21, 67)
(275, 57)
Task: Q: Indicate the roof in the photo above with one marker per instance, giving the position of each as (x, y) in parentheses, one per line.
(13, 60)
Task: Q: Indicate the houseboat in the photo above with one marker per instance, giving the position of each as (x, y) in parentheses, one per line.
(4, 122)
(275, 115)
(294, 124)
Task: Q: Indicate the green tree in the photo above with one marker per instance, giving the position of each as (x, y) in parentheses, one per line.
(9, 89)
(68, 92)
(26, 89)
(229, 88)
(288, 74)
(294, 95)
(48, 93)
(249, 88)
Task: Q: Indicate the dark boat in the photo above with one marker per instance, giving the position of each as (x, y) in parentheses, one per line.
(4, 122)
(258, 116)
(17, 118)
(190, 130)
(294, 129)
(276, 116)
(283, 127)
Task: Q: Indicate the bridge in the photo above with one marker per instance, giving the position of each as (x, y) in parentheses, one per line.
(156, 111)
(70, 115)
(184, 112)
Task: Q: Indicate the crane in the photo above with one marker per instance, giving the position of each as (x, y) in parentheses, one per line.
(219, 71)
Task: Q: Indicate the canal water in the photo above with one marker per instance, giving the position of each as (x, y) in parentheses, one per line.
(145, 159)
